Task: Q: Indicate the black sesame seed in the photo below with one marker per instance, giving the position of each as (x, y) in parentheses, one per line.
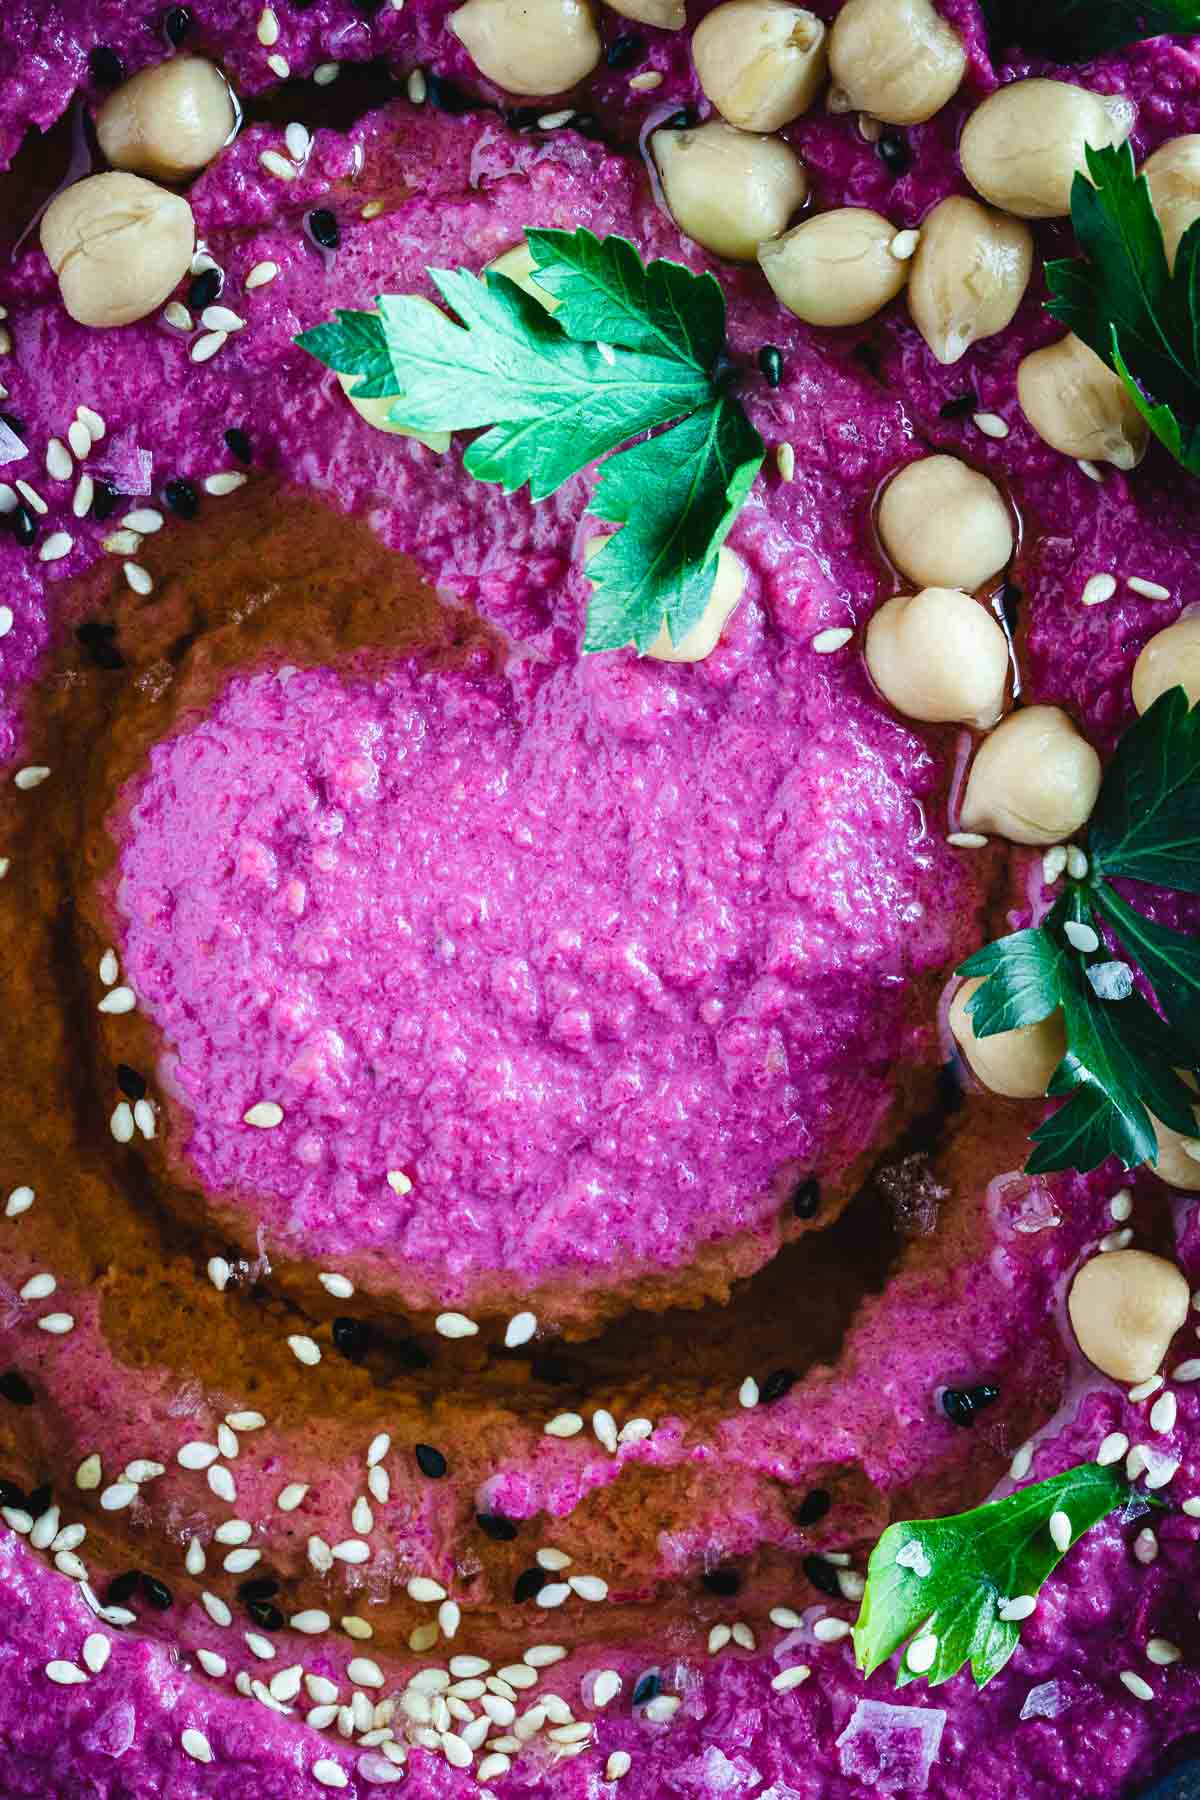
(777, 1384)
(677, 121)
(204, 288)
(960, 406)
(157, 1593)
(528, 1583)
(823, 1575)
(961, 1404)
(12, 1495)
(40, 1499)
(410, 1354)
(260, 1587)
(523, 118)
(448, 97)
(15, 1389)
(97, 639)
(806, 1201)
(895, 153)
(723, 1582)
(815, 1504)
(324, 227)
(770, 363)
(106, 66)
(647, 1687)
(131, 1084)
(239, 443)
(624, 50)
(352, 1337)
(264, 1613)
(496, 1526)
(122, 1588)
(23, 525)
(182, 498)
(177, 24)
(431, 1462)
(104, 500)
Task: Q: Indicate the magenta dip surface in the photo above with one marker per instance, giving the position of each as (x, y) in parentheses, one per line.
(360, 897)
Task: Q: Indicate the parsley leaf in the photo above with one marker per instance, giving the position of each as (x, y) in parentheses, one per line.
(1122, 299)
(1071, 30)
(950, 1577)
(631, 348)
(1123, 1058)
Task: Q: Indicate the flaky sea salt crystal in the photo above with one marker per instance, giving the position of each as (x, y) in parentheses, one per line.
(1047, 1700)
(891, 1747)
(713, 1773)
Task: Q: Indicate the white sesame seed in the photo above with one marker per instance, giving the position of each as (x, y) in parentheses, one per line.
(219, 1272)
(563, 1425)
(143, 1117)
(380, 1484)
(16, 1519)
(966, 840)
(143, 1469)
(195, 1561)
(70, 1537)
(1162, 1652)
(234, 1531)
(28, 778)
(1081, 936)
(325, 73)
(455, 1325)
(224, 481)
(337, 1285)
(88, 1475)
(618, 1765)
(56, 546)
(352, 1550)
(18, 1202)
(634, 1430)
(176, 315)
(245, 1421)
(329, 1773)
(748, 1392)
(785, 1618)
(85, 493)
(58, 1324)
(279, 166)
(297, 140)
(361, 1517)
(1098, 589)
(1115, 1240)
(1013, 1611)
(718, 1637)
(991, 425)
(206, 347)
(743, 1636)
(290, 1497)
(785, 461)
(264, 1115)
(118, 1000)
(662, 1709)
(364, 1672)
(424, 1590)
(59, 465)
(222, 1483)
(261, 274)
(66, 1674)
(139, 579)
(588, 1587)
(826, 642)
(268, 28)
(554, 1560)
(1163, 1412)
(280, 66)
(196, 1455)
(830, 1630)
(792, 1678)
(1150, 590)
(355, 1627)
(96, 1651)
(644, 83)
(120, 1495)
(312, 1622)
(305, 1349)
(1021, 1463)
(284, 1685)
(1187, 1371)
(1160, 1470)
(216, 1609)
(68, 1564)
(1060, 1530)
(449, 1617)
(417, 87)
(95, 424)
(520, 1328)
(1141, 1690)
(1121, 1205)
(1145, 1547)
(493, 1766)
(211, 1663)
(121, 543)
(38, 1287)
(31, 495)
(6, 612)
(903, 247)
(44, 1529)
(605, 1428)
(143, 519)
(260, 1646)
(79, 438)
(221, 318)
(8, 498)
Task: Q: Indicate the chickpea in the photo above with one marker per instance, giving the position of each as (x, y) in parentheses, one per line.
(377, 411)
(1076, 404)
(666, 15)
(729, 189)
(1178, 1165)
(939, 656)
(518, 265)
(1170, 659)
(760, 62)
(529, 46)
(118, 245)
(1017, 1064)
(968, 276)
(1034, 779)
(1125, 1307)
(1022, 148)
(704, 636)
(167, 121)
(944, 524)
(1174, 176)
(896, 59)
(836, 268)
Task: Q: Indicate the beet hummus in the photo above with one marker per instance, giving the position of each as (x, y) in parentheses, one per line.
(500, 1209)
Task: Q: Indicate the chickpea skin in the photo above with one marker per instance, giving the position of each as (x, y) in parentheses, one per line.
(728, 189)
(1170, 659)
(168, 121)
(939, 656)
(529, 46)
(896, 59)
(1125, 1307)
(944, 524)
(1076, 404)
(969, 275)
(761, 62)
(1174, 176)
(1023, 146)
(836, 268)
(1017, 1064)
(118, 245)
(1034, 779)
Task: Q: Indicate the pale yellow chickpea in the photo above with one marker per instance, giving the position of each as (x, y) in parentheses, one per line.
(1034, 780)
(939, 656)
(1125, 1307)
(1077, 405)
(726, 188)
(729, 584)
(1017, 1064)
(836, 268)
(1170, 659)
(1178, 1157)
(118, 245)
(1023, 146)
(945, 524)
(168, 121)
(969, 274)
(761, 62)
(898, 60)
(1174, 176)
(529, 46)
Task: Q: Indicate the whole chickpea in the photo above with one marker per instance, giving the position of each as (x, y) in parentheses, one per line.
(898, 60)
(665, 15)
(1024, 145)
(1174, 176)
(1017, 1064)
(1170, 659)
(1034, 779)
(377, 411)
(167, 121)
(1178, 1156)
(969, 274)
(939, 656)
(728, 586)
(1125, 1307)
(945, 524)
(836, 268)
(761, 62)
(118, 245)
(529, 46)
(728, 189)
(1076, 404)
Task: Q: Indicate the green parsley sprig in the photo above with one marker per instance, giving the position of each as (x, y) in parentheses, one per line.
(1071, 30)
(630, 348)
(1124, 301)
(950, 1578)
(1122, 1057)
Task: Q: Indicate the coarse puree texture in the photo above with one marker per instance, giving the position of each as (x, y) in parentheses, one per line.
(560, 980)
